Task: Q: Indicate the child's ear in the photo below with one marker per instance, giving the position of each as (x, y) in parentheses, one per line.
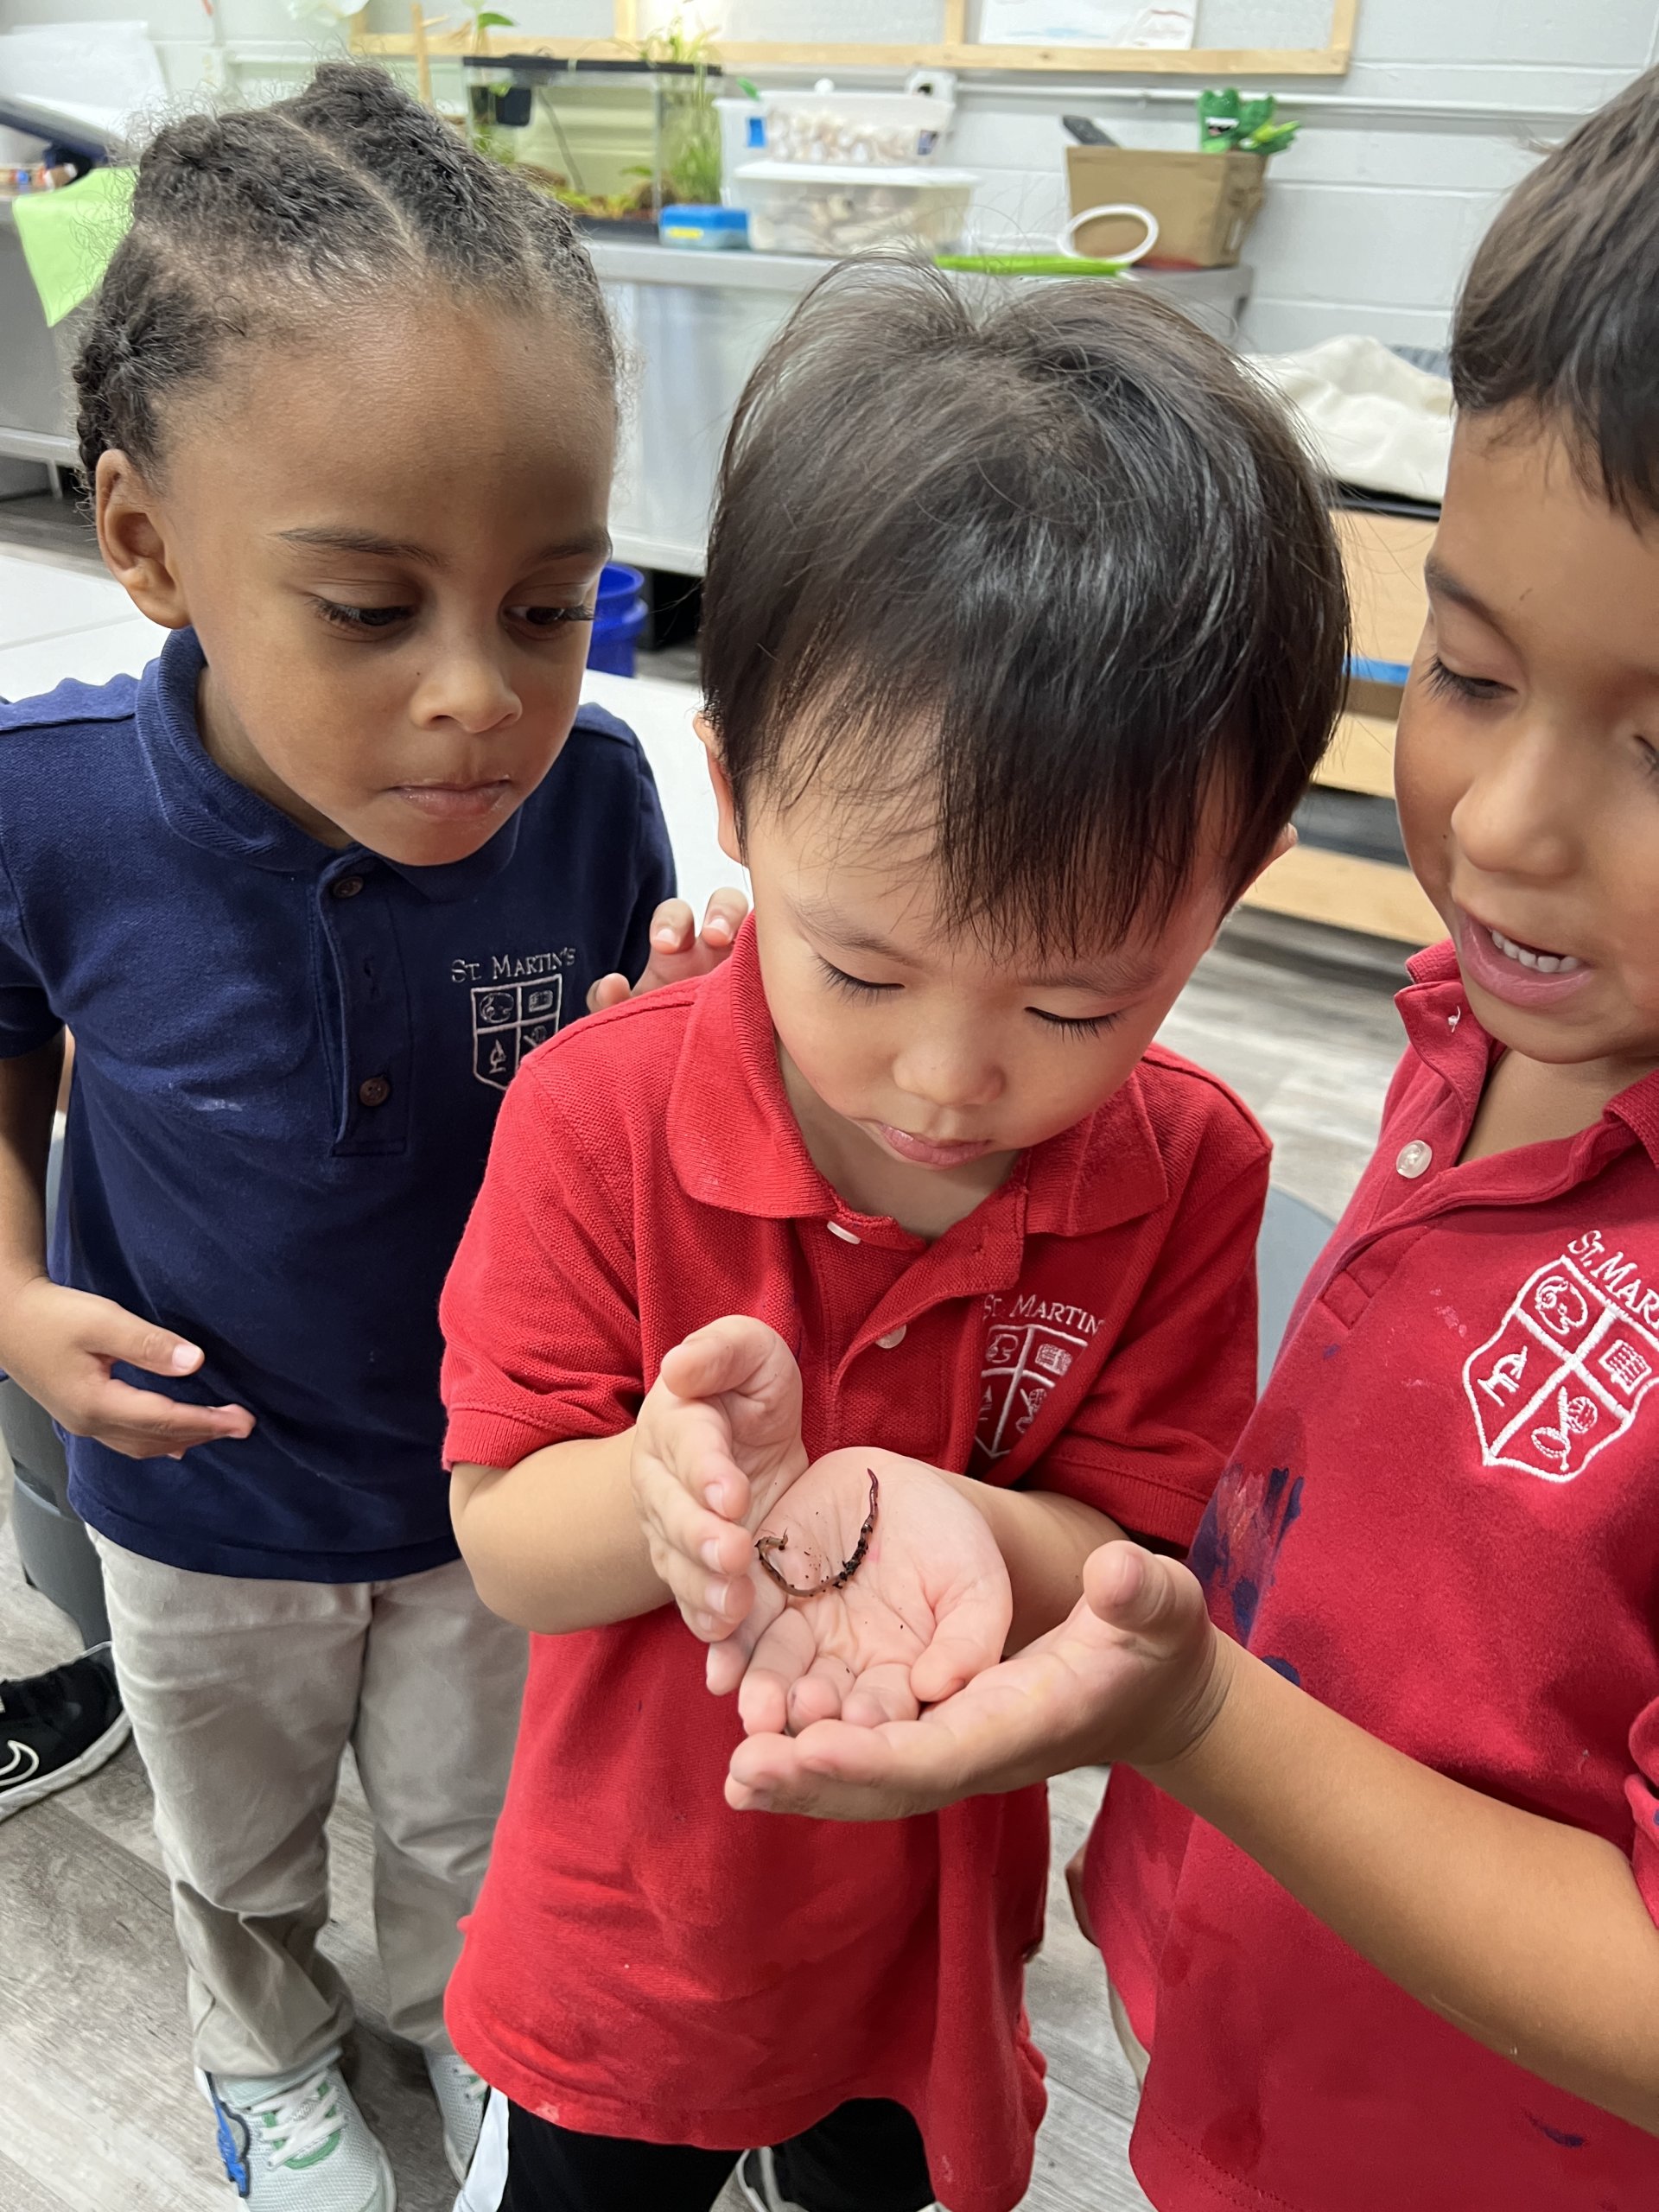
(130, 539)
(1283, 844)
(730, 843)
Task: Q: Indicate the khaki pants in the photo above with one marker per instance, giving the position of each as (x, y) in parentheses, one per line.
(243, 1694)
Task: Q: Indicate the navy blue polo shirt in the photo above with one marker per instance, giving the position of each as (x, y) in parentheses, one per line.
(288, 1061)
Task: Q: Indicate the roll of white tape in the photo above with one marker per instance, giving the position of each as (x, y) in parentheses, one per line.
(1066, 241)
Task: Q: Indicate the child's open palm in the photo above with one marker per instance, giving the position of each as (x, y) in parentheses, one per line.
(924, 1609)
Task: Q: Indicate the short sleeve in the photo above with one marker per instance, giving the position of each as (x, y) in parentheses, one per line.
(27, 1020)
(1147, 1445)
(540, 1310)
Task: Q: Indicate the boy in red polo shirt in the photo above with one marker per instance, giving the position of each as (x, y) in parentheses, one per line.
(895, 1265)
(1410, 1957)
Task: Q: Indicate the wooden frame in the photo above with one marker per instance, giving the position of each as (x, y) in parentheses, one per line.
(954, 51)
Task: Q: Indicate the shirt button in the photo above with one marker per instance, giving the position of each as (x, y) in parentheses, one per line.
(374, 1091)
(1413, 1160)
(346, 886)
(893, 1339)
(845, 1234)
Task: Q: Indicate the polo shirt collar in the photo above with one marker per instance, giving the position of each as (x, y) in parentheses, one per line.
(735, 1142)
(1443, 1031)
(211, 810)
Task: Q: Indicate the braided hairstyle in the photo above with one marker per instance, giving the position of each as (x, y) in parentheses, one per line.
(251, 223)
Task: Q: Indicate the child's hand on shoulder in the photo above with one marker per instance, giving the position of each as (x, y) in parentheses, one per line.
(1136, 1673)
(908, 1597)
(679, 950)
(718, 1438)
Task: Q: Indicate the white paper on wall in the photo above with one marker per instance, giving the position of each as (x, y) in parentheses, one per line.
(1085, 23)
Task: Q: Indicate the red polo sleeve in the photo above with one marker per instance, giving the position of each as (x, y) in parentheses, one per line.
(540, 1313)
(1147, 1445)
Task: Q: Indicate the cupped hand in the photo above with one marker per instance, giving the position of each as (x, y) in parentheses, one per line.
(717, 1440)
(926, 1607)
(62, 1345)
(1136, 1672)
(679, 950)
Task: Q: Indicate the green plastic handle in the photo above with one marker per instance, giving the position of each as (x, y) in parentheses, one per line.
(1029, 264)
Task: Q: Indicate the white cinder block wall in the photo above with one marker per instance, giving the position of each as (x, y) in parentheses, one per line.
(1372, 215)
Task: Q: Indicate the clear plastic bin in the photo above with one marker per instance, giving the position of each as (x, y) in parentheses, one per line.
(851, 129)
(796, 208)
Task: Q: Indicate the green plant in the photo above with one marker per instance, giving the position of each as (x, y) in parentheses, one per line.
(691, 161)
(1228, 124)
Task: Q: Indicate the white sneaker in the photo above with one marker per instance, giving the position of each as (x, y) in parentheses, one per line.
(757, 2183)
(462, 2096)
(297, 2142)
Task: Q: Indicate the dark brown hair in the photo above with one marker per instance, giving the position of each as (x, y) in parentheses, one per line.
(246, 224)
(1560, 313)
(1042, 573)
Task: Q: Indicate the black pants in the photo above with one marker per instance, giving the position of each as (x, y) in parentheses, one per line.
(867, 2157)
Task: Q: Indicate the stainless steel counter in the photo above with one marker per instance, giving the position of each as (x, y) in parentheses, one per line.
(694, 324)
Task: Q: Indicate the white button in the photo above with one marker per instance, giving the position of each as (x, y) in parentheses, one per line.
(894, 1337)
(845, 1234)
(1413, 1160)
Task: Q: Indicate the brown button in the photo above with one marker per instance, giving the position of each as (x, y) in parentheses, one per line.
(374, 1091)
(346, 886)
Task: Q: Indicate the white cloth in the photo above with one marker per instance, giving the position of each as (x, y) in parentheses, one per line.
(1370, 418)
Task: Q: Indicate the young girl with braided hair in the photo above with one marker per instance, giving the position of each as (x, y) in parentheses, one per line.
(305, 892)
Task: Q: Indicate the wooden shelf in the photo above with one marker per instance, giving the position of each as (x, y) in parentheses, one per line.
(1348, 894)
(954, 50)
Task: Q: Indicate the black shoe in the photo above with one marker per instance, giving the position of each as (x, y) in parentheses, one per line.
(57, 1726)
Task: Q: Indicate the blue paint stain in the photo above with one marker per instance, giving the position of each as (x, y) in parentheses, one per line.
(1284, 1666)
(1246, 1597)
(1331, 1352)
(1557, 2135)
(1236, 1548)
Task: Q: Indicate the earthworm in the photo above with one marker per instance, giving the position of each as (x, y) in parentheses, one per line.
(764, 1545)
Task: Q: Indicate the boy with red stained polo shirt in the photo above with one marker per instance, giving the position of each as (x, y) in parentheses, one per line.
(1410, 1955)
(849, 1301)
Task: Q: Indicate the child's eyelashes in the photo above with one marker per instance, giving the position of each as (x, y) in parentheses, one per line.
(549, 617)
(1471, 690)
(1093, 1025)
(852, 986)
(366, 620)
(374, 621)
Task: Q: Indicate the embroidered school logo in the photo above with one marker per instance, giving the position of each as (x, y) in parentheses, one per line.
(1563, 1375)
(510, 1019)
(1028, 1350)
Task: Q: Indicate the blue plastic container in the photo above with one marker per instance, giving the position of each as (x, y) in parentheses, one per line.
(703, 229)
(619, 617)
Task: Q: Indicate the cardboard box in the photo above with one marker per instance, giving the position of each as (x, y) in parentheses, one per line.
(1204, 203)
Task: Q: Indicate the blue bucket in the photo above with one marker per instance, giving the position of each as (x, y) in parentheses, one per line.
(619, 617)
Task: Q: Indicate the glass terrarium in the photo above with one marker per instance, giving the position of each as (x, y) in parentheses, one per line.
(616, 141)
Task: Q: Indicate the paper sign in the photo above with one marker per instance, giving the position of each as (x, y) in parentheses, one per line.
(1085, 23)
